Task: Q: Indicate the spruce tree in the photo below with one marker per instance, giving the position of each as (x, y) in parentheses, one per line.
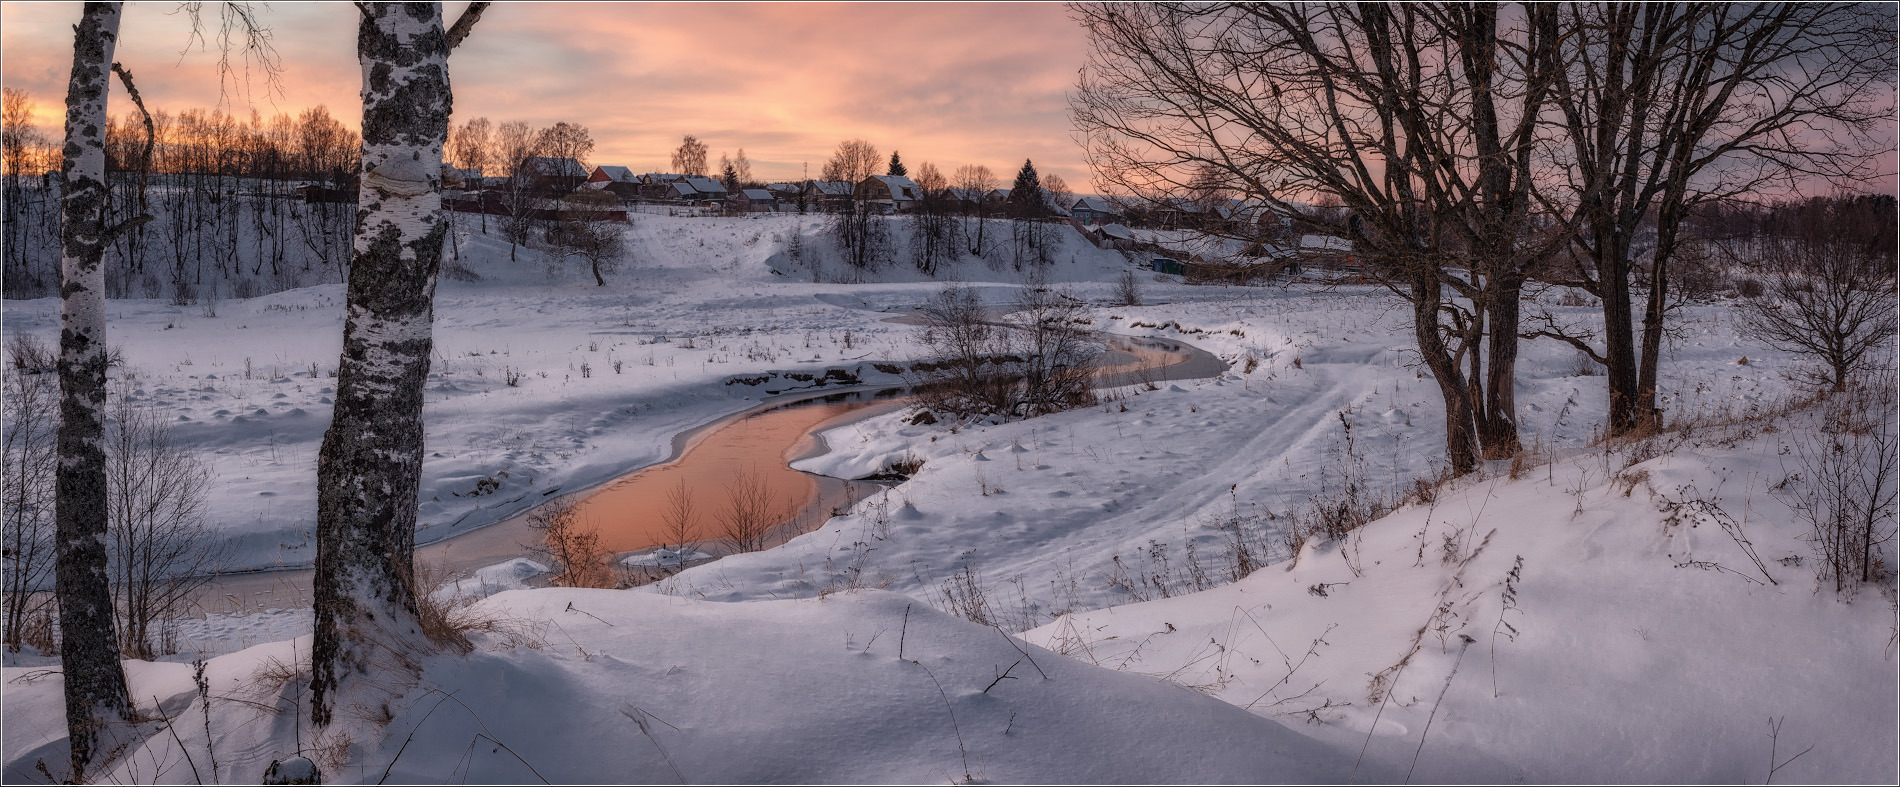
(731, 178)
(897, 166)
(1026, 195)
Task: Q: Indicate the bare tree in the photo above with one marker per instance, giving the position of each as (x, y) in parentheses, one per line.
(162, 550)
(690, 157)
(1844, 487)
(516, 142)
(94, 679)
(752, 512)
(27, 462)
(369, 469)
(567, 140)
(854, 160)
(570, 543)
(587, 232)
(862, 236)
(472, 146)
(1663, 107)
(933, 221)
(973, 183)
(1828, 297)
(1420, 118)
(679, 521)
(1037, 361)
(743, 167)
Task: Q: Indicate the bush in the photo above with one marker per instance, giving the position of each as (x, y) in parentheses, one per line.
(1038, 362)
(570, 543)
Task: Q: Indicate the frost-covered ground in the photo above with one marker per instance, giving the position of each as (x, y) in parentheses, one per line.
(1603, 646)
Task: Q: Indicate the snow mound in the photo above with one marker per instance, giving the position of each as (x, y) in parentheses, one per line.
(641, 687)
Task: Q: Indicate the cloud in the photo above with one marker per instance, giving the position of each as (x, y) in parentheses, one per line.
(950, 83)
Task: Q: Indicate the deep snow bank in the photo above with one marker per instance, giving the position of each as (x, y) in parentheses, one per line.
(644, 688)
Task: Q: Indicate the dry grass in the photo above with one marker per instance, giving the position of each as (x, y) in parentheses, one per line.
(449, 619)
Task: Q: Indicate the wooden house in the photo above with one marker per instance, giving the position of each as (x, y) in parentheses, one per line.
(891, 193)
(1095, 210)
(753, 201)
(829, 195)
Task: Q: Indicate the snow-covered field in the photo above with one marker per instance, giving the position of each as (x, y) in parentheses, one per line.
(1604, 644)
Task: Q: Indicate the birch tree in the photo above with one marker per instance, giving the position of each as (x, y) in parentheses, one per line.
(369, 469)
(88, 649)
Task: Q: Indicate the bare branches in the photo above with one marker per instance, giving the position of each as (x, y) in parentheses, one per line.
(240, 31)
(465, 23)
(145, 159)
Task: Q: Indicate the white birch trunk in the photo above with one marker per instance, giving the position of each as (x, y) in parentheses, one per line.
(370, 467)
(94, 679)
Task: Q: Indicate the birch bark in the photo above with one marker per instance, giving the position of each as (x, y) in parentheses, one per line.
(94, 679)
(370, 466)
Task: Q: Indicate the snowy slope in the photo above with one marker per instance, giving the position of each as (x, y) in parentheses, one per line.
(1614, 659)
(640, 688)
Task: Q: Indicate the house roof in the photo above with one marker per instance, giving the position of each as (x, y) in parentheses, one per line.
(758, 194)
(1116, 231)
(684, 187)
(1096, 204)
(833, 188)
(901, 187)
(554, 167)
(616, 174)
(781, 186)
(706, 185)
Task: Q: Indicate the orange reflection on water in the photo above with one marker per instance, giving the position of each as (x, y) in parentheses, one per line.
(629, 511)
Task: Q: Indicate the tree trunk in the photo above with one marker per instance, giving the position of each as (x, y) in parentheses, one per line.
(1619, 340)
(1460, 442)
(1497, 428)
(369, 469)
(88, 649)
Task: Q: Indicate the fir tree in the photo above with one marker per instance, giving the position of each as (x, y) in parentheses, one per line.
(897, 166)
(731, 178)
(1026, 195)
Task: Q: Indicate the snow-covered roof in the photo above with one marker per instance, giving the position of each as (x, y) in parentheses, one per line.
(684, 187)
(758, 194)
(833, 188)
(1326, 242)
(901, 187)
(705, 184)
(1096, 204)
(616, 174)
(1117, 231)
(781, 186)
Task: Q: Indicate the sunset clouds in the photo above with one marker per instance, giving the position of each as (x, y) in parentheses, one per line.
(949, 83)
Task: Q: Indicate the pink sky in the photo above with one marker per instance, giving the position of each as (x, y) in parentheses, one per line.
(949, 83)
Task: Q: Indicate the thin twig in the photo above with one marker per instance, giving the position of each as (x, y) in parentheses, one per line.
(201, 780)
(1441, 698)
(904, 632)
(1020, 649)
(1003, 677)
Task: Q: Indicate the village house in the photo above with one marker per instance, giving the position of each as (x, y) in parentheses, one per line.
(1095, 210)
(829, 195)
(753, 201)
(890, 193)
(618, 181)
(550, 175)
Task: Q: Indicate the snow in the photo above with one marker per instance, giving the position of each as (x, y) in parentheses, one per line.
(642, 687)
(1625, 658)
